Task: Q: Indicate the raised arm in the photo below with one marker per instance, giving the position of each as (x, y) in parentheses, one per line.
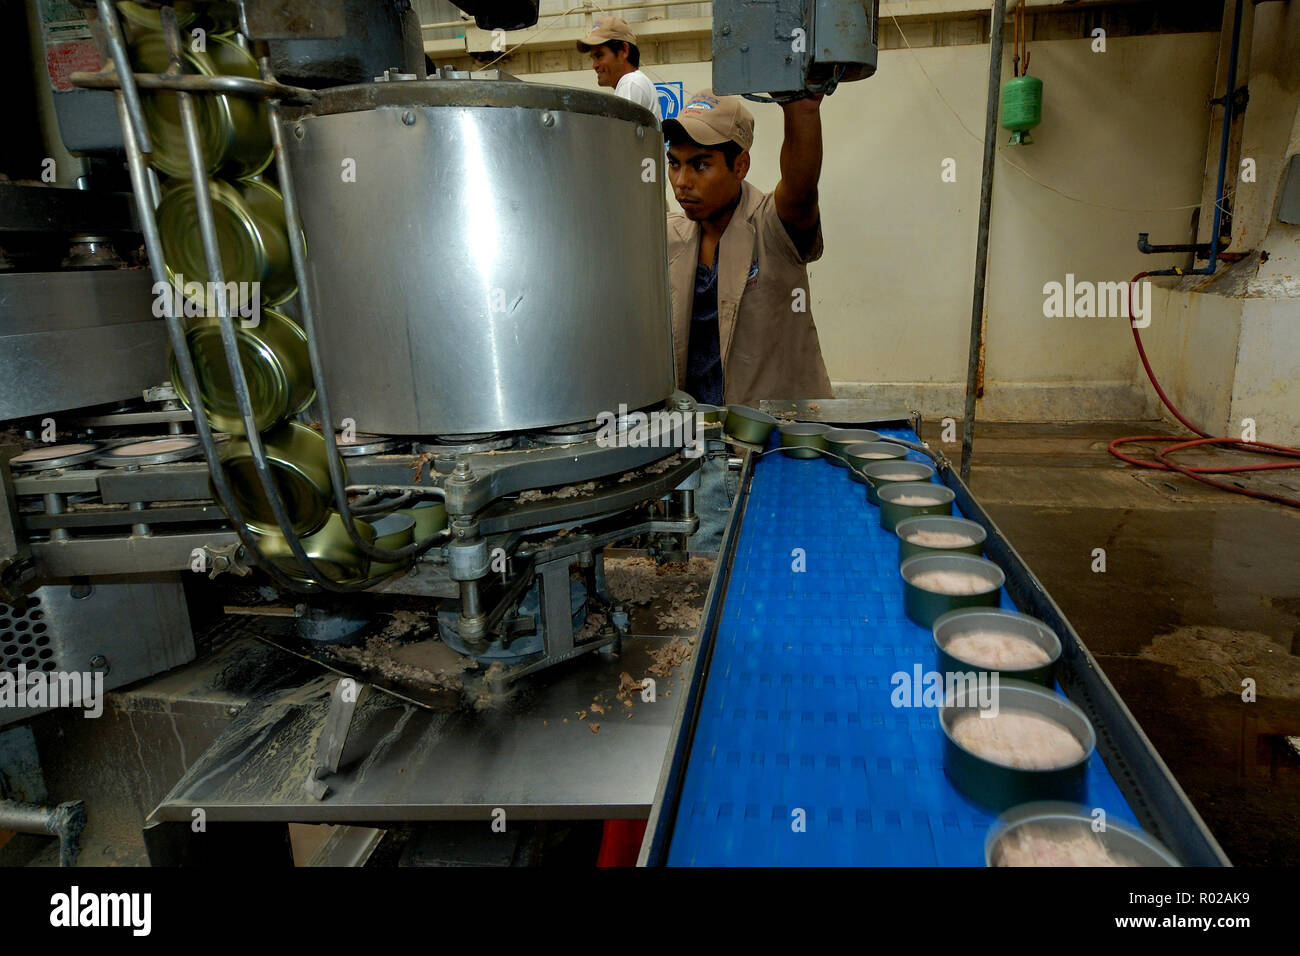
(801, 167)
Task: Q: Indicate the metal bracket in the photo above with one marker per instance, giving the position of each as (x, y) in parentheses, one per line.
(227, 558)
(1240, 100)
(344, 700)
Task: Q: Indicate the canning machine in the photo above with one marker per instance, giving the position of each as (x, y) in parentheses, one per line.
(305, 332)
(417, 261)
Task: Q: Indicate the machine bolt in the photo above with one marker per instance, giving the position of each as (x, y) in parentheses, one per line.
(298, 131)
(640, 132)
(548, 119)
(726, 29)
(408, 118)
(99, 663)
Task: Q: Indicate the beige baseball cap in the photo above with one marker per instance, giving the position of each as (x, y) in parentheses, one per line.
(605, 29)
(711, 120)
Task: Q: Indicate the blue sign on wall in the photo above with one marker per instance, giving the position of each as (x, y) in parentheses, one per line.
(671, 98)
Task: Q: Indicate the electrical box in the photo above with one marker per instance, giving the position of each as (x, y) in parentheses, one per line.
(792, 46)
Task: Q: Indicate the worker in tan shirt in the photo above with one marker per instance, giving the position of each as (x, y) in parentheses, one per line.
(737, 257)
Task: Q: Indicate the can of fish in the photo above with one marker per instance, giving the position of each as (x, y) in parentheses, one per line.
(430, 518)
(803, 439)
(938, 534)
(838, 441)
(248, 219)
(233, 130)
(1015, 645)
(749, 424)
(934, 584)
(861, 454)
(1031, 744)
(1051, 833)
(909, 499)
(881, 472)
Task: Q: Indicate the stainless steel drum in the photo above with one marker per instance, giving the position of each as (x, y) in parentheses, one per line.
(484, 256)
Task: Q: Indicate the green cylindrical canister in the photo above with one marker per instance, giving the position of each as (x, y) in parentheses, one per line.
(1022, 107)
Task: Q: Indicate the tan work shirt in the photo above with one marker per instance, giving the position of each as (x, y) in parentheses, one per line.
(769, 350)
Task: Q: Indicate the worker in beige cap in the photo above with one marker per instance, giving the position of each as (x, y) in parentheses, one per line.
(737, 257)
(616, 59)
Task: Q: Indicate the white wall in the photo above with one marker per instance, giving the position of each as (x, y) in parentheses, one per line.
(892, 295)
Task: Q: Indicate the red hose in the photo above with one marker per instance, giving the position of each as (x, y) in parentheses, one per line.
(1163, 462)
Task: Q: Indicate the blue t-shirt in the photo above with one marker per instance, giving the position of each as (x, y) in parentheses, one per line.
(704, 355)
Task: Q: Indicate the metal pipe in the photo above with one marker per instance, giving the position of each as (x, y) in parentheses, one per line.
(66, 821)
(982, 238)
(1219, 196)
(687, 503)
(155, 187)
(471, 600)
(54, 505)
(1144, 245)
(140, 529)
(382, 505)
(193, 83)
(122, 63)
(1228, 95)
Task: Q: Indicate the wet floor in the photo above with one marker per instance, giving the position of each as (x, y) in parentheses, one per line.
(1200, 593)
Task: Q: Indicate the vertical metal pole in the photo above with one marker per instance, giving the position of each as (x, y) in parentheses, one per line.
(122, 63)
(1219, 197)
(982, 240)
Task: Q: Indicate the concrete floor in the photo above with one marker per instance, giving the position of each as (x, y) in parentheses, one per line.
(1201, 590)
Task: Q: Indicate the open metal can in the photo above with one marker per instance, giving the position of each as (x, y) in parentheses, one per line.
(331, 550)
(296, 456)
(998, 786)
(233, 130)
(249, 221)
(392, 531)
(1067, 825)
(276, 365)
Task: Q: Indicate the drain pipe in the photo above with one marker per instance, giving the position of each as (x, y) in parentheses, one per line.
(1229, 97)
(66, 821)
(982, 240)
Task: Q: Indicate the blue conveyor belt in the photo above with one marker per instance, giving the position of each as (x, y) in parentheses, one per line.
(796, 709)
